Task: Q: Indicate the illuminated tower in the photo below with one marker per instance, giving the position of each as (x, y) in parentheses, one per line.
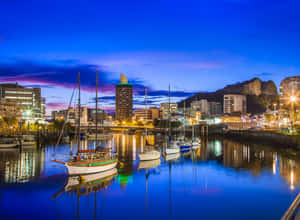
(123, 99)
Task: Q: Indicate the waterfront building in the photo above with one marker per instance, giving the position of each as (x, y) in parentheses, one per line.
(124, 100)
(215, 108)
(201, 106)
(143, 114)
(9, 109)
(92, 116)
(71, 115)
(234, 103)
(289, 96)
(29, 100)
(167, 107)
(151, 113)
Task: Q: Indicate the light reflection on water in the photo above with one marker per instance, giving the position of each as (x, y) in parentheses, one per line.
(222, 179)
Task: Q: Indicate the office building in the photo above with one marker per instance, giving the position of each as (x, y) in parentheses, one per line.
(29, 100)
(151, 113)
(9, 109)
(215, 108)
(92, 116)
(167, 107)
(289, 87)
(200, 106)
(71, 115)
(124, 100)
(234, 103)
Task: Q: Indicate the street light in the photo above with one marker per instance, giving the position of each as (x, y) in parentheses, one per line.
(293, 98)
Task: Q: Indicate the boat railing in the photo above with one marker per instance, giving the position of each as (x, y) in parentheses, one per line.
(292, 210)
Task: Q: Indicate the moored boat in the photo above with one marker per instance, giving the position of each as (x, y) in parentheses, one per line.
(172, 147)
(90, 180)
(149, 164)
(149, 155)
(27, 140)
(8, 142)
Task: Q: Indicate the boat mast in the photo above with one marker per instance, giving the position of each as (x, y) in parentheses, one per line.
(79, 106)
(2, 121)
(96, 108)
(146, 111)
(169, 115)
(184, 119)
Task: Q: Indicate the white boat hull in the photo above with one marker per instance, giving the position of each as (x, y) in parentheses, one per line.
(74, 181)
(149, 164)
(172, 150)
(28, 143)
(195, 145)
(171, 157)
(8, 145)
(149, 155)
(76, 170)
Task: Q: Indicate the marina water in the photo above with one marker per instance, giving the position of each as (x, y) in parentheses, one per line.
(222, 179)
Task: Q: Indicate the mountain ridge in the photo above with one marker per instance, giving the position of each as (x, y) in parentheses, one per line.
(261, 95)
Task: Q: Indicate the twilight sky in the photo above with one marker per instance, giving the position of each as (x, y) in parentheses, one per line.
(192, 45)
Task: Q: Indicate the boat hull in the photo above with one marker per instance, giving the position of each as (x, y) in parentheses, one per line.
(77, 170)
(28, 143)
(149, 164)
(172, 150)
(8, 145)
(185, 147)
(75, 182)
(153, 155)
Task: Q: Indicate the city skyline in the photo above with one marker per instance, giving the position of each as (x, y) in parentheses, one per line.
(197, 47)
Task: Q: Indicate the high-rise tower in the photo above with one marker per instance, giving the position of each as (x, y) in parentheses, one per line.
(123, 99)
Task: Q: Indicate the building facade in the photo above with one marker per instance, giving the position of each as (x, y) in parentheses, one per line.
(167, 107)
(200, 106)
(151, 113)
(29, 100)
(9, 109)
(234, 103)
(215, 108)
(124, 100)
(289, 87)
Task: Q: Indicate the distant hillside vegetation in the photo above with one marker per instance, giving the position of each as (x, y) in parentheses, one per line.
(260, 94)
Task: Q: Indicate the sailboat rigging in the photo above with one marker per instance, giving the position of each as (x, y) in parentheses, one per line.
(88, 161)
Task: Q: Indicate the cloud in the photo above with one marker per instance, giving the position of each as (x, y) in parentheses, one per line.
(54, 105)
(63, 73)
(264, 74)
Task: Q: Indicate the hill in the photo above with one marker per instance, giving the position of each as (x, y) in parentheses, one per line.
(260, 94)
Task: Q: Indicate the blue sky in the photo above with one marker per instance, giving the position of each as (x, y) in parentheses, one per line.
(192, 45)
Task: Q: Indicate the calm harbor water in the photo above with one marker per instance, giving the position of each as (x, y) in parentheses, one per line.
(221, 180)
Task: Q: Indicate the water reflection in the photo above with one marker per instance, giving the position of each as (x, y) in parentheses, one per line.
(20, 166)
(218, 170)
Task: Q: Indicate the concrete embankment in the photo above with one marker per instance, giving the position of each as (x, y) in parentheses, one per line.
(264, 137)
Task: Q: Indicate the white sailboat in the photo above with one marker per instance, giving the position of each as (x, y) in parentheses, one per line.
(173, 146)
(89, 161)
(195, 141)
(185, 145)
(149, 154)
